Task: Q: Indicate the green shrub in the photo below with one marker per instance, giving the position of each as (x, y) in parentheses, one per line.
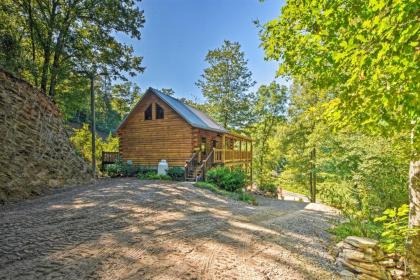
(118, 169)
(230, 180)
(112, 170)
(395, 229)
(246, 197)
(356, 228)
(391, 229)
(82, 141)
(176, 173)
(152, 175)
(238, 195)
(268, 187)
(145, 170)
(216, 175)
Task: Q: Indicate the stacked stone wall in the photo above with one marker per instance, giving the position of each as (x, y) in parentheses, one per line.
(361, 258)
(36, 153)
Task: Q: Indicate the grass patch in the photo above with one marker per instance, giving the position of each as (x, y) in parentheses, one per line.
(355, 228)
(237, 195)
(152, 175)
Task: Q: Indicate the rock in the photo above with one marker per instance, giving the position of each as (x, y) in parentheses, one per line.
(347, 275)
(387, 263)
(393, 256)
(348, 254)
(379, 255)
(367, 277)
(343, 245)
(36, 151)
(361, 242)
(397, 273)
(54, 183)
(365, 268)
(338, 248)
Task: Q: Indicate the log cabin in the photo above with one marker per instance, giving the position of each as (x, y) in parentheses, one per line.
(161, 127)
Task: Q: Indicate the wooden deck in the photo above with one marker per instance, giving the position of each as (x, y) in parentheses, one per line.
(231, 156)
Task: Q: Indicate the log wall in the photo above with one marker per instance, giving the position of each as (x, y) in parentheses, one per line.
(146, 142)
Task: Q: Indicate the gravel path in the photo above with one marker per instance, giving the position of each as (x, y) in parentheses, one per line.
(131, 229)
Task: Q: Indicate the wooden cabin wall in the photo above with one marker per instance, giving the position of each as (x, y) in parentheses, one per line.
(209, 135)
(146, 142)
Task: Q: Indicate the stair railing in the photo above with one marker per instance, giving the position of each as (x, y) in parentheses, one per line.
(191, 164)
(206, 165)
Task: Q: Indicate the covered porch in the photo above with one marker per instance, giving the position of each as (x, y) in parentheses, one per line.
(235, 149)
(212, 149)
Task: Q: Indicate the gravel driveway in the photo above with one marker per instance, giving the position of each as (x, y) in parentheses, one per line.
(131, 229)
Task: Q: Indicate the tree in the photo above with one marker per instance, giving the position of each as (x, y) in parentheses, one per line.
(168, 91)
(113, 102)
(226, 83)
(55, 32)
(365, 55)
(269, 110)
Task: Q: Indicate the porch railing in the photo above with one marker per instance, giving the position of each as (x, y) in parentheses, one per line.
(229, 155)
(191, 164)
(109, 158)
(206, 165)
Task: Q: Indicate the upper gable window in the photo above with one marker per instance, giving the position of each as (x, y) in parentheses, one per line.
(160, 113)
(148, 113)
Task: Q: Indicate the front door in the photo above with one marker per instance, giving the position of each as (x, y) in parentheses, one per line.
(203, 148)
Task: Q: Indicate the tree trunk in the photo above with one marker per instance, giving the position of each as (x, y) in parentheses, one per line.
(55, 65)
(31, 31)
(47, 47)
(45, 66)
(92, 126)
(314, 172)
(59, 50)
(312, 176)
(414, 222)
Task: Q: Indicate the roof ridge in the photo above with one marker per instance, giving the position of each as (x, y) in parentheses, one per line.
(206, 115)
(191, 115)
(188, 106)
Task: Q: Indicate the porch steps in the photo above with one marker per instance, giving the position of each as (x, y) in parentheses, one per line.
(193, 174)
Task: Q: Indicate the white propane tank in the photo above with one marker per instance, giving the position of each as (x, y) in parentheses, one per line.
(163, 167)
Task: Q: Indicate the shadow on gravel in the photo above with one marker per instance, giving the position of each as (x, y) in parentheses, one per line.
(126, 228)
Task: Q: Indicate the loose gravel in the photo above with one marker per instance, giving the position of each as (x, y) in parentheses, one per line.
(132, 229)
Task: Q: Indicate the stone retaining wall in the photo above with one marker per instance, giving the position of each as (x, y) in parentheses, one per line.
(361, 258)
(35, 149)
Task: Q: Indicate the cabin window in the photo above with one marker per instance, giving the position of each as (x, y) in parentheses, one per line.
(159, 112)
(148, 113)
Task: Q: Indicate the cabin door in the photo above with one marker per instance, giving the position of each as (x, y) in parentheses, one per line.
(203, 148)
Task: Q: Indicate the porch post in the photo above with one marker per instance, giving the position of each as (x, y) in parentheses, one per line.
(251, 161)
(240, 149)
(223, 148)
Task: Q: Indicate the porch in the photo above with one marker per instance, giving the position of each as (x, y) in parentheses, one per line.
(230, 150)
(236, 149)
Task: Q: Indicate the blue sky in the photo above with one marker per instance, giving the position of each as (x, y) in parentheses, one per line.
(178, 34)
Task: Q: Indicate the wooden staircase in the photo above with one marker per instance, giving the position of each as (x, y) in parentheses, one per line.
(193, 174)
(195, 170)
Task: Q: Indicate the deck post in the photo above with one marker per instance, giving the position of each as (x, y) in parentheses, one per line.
(251, 162)
(223, 148)
(240, 149)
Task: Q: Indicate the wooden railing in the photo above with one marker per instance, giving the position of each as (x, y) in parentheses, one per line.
(206, 165)
(228, 155)
(191, 164)
(109, 158)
